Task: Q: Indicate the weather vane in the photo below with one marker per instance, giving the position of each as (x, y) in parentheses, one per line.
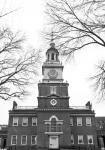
(52, 35)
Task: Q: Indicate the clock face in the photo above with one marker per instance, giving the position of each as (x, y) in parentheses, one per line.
(53, 74)
(53, 102)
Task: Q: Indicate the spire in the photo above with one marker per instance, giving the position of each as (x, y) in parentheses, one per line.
(52, 44)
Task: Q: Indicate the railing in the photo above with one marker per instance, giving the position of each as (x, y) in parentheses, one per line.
(79, 107)
(33, 107)
(26, 107)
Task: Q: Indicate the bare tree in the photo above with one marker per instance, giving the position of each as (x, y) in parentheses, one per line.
(77, 24)
(18, 68)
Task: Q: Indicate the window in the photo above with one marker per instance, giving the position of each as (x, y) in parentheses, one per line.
(71, 121)
(80, 139)
(15, 121)
(47, 127)
(33, 140)
(34, 121)
(52, 89)
(59, 127)
(52, 56)
(72, 139)
(79, 121)
(13, 139)
(88, 121)
(90, 139)
(25, 121)
(23, 139)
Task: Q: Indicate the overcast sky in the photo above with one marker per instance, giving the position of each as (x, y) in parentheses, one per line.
(30, 19)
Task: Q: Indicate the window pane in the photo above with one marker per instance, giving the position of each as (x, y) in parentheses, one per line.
(25, 121)
(13, 140)
(24, 140)
(79, 121)
(33, 140)
(15, 121)
(34, 121)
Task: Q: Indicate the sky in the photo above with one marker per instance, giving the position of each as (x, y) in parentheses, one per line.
(30, 18)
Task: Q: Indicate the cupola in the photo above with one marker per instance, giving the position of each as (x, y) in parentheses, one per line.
(52, 53)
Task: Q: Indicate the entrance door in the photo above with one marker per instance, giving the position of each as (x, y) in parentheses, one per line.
(53, 142)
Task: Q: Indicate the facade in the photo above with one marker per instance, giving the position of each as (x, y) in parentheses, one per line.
(54, 124)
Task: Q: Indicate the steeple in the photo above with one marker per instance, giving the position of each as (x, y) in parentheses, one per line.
(52, 68)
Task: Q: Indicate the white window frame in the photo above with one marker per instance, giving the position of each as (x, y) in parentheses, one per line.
(25, 120)
(71, 121)
(80, 137)
(12, 139)
(22, 139)
(79, 121)
(72, 138)
(15, 121)
(88, 137)
(34, 140)
(88, 121)
(34, 121)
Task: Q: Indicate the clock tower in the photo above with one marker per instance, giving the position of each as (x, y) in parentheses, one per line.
(53, 91)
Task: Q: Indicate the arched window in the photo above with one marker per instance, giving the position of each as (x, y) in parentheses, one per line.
(53, 124)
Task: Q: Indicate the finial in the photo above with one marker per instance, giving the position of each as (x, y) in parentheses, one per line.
(52, 44)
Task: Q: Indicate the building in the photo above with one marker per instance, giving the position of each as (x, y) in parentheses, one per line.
(54, 124)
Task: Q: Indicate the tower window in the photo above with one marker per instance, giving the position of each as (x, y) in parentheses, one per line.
(52, 56)
(52, 89)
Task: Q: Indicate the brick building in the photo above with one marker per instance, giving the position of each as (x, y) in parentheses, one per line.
(54, 124)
